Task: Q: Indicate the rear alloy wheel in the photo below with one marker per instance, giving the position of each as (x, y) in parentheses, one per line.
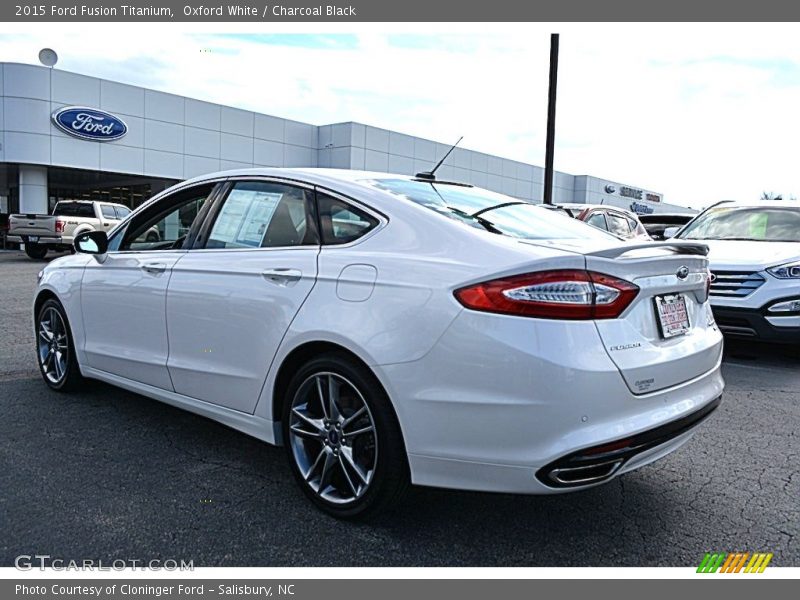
(343, 438)
(35, 251)
(54, 348)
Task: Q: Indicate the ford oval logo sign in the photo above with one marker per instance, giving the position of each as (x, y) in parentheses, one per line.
(89, 123)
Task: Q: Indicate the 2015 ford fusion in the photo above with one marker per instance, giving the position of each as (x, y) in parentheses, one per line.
(390, 330)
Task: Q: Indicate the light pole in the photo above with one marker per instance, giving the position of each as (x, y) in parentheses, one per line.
(551, 120)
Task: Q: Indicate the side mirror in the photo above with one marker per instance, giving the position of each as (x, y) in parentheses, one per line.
(92, 242)
(671, 232)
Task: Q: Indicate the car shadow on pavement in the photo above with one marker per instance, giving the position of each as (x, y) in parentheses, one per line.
(749, 350)
(128, 476)
(108, 473)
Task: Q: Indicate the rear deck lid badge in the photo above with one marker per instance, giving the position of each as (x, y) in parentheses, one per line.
(625, 346)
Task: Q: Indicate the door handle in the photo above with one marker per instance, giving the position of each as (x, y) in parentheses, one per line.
(282, 277)
(154, 268)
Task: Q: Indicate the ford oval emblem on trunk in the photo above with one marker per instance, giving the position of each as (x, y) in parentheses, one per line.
(683, 272)
(89, 123)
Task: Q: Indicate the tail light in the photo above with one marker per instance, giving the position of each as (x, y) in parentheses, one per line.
(60, 226)
(568, 294)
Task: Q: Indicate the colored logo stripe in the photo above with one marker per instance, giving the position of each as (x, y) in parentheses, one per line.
(758, 563)
(711, 562)
(734, 562)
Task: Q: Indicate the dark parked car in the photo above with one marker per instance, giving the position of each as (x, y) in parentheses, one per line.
(655, 224)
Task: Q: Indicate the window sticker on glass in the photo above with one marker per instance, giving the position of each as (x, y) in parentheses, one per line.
(244, 218)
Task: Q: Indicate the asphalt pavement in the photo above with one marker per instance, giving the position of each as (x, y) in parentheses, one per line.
(107, 474)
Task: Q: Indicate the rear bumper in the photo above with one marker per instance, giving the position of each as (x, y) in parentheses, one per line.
(758, 324)
(498, 399)
(43, 240)
(599, 463)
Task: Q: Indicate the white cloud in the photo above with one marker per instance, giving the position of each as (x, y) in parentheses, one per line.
(698, 112)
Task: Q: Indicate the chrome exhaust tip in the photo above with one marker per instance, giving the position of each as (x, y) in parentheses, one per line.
(586, 474)
(599, 463)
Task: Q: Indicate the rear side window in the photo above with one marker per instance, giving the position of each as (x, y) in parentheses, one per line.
(74, 209)
(260, 214)
(341, 222)
(618, 225)
(108, 211)
(122, 212)
(598, 220)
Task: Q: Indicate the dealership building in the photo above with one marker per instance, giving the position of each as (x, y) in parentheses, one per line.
(125, 143)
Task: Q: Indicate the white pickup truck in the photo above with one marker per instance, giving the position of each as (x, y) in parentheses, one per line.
(41, 233)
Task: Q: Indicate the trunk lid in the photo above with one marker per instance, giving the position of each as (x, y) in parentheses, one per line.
(647, 360)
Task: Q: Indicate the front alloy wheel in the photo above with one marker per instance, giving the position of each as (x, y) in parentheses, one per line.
(343, 438)
(57, 361)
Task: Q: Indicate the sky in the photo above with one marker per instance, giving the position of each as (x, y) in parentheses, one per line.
(699, 113)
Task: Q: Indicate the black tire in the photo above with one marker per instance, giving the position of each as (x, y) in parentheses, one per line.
(35, 251)
(68, 378)
(390, 477)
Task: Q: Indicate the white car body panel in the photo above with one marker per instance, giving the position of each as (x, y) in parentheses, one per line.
(483, 400)
(124, 301)
(755, 257)
(222, 341)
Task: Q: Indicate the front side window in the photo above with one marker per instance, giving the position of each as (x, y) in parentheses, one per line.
(766, 224)
(341, 222)
(261, 214)
(166, 225)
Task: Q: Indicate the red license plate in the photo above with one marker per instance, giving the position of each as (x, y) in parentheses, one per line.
(673, 318)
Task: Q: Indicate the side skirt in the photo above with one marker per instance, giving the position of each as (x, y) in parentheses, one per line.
(257, 427)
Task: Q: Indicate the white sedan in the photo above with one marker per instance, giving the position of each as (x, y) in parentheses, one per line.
(390, 330)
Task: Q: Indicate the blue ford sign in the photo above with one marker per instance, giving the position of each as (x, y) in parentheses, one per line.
(89, 123)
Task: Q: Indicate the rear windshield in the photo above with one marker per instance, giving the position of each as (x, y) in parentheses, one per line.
(519, 220)
(763, 224)
(74, 209)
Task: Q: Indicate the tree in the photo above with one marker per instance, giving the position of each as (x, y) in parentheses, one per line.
(771, 196)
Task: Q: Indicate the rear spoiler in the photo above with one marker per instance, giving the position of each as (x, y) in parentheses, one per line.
(691, 248)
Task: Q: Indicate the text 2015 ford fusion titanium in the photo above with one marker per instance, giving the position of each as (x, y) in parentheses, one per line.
(392, 330)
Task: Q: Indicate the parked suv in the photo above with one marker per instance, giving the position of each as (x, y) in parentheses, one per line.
(755, 267)
(41, 233)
